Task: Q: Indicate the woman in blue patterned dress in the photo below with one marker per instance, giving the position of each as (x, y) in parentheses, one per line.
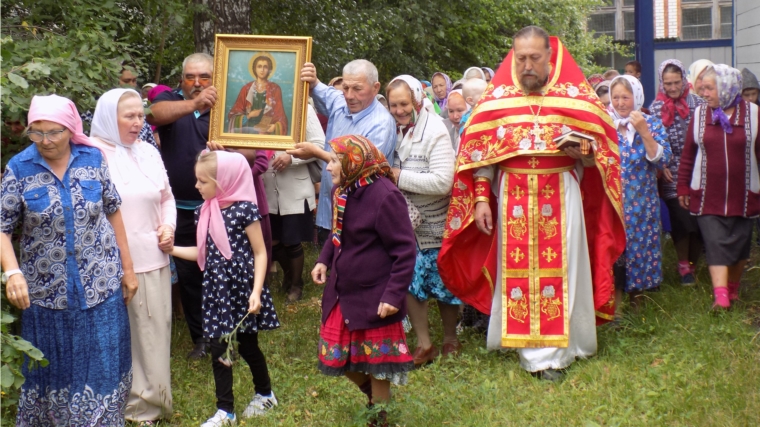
(644, 149)
(75, 275)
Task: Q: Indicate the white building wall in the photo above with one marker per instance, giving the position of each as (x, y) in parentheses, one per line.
(672, 19)
(747, 35)
(659, 19)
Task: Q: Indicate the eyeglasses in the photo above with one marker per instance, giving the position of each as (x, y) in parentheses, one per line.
(52, 136)
(202, 79)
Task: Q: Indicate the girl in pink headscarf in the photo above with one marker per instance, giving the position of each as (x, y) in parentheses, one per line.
(232, 254)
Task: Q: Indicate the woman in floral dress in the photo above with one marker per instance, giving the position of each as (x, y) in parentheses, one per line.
(644, 150)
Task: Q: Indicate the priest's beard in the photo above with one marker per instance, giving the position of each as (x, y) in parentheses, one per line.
(533, 85)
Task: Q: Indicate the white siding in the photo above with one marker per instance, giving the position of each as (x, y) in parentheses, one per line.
(747, 34)
(718, 55)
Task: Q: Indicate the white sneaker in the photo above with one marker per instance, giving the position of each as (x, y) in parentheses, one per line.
(260, 405)
(221, 418)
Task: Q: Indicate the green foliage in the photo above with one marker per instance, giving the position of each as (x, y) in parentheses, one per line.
(160, 32)
(424, 36)
(48, 47)
(14, 348)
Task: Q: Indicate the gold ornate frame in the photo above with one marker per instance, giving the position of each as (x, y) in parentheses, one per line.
(301, 46)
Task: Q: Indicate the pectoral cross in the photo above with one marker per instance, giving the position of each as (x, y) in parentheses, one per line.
(536, 132)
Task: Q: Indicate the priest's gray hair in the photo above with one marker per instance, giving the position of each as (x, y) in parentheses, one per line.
(361, 67)
(198, 57)
(532, 31)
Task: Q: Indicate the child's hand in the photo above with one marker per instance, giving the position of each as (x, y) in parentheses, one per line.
(319, 274)
(384, 310)
(165, 235)
(254, 303)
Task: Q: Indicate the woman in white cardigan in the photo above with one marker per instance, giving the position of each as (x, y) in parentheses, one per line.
(424, 168)
(291, 199)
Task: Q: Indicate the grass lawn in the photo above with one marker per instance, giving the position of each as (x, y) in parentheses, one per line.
(674, 364)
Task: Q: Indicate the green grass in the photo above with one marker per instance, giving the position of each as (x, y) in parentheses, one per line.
(674, 364)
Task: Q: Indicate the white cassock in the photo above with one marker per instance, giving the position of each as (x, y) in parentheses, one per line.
(580, 308)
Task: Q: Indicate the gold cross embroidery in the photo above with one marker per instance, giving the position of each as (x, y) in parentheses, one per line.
(548, 191)
(517, 192)
(533, 162)
(517, 255)
(536, 132)
(549, 254)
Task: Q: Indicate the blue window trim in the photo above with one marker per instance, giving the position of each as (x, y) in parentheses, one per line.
(693, 44)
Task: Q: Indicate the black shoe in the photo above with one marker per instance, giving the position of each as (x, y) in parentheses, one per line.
(200, 350)
(295, 293)
(552, 375)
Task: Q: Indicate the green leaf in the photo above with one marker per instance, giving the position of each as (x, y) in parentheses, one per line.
(7, 318)
(6, 376)
(18, 80)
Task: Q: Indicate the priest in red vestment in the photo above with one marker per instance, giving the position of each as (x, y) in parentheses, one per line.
(533, 230)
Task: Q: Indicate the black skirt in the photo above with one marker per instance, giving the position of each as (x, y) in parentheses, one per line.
(682, 222)
(727, 239)
(293, 229)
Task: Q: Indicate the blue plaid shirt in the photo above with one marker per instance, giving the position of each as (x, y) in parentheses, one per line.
(374, 123)
(68, 247)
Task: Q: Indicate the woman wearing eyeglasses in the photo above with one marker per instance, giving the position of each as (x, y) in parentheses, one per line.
(76, 273)
(259, 108)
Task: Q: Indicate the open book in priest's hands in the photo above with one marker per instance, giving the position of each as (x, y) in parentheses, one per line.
(572, 138)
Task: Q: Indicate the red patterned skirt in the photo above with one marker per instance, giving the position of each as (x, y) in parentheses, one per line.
(381, 352)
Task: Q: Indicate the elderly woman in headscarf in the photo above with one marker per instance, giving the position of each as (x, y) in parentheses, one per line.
(76, 274)
(718, 179)
(361, 335)
(694, 75)
(602, 90)
(424, 169)
(595, 79)
(457, 107)
(441, 85)
(489, 73)
(644, 150)
(674, 106)
(474, 73)
(150, 218)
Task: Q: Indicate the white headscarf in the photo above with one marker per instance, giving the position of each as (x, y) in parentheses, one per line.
(481, 74)
(105, 127)
(695, 69)
(404, 146)
(638, 102)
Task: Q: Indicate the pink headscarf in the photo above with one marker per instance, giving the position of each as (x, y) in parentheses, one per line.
(156, 90)
(58, 109)
(234, 183)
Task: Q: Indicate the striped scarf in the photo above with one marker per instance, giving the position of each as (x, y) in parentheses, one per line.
(339, 207)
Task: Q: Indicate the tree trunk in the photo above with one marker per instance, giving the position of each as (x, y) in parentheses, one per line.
(220, 17)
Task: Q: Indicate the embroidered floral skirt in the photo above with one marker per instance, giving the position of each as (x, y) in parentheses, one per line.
(381, 352)
(90, 373)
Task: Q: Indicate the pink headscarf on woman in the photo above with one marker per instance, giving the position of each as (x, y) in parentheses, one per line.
(153, 93)
(234, 183)
(58, 109)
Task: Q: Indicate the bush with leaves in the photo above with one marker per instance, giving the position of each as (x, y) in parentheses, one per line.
(14, 348)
